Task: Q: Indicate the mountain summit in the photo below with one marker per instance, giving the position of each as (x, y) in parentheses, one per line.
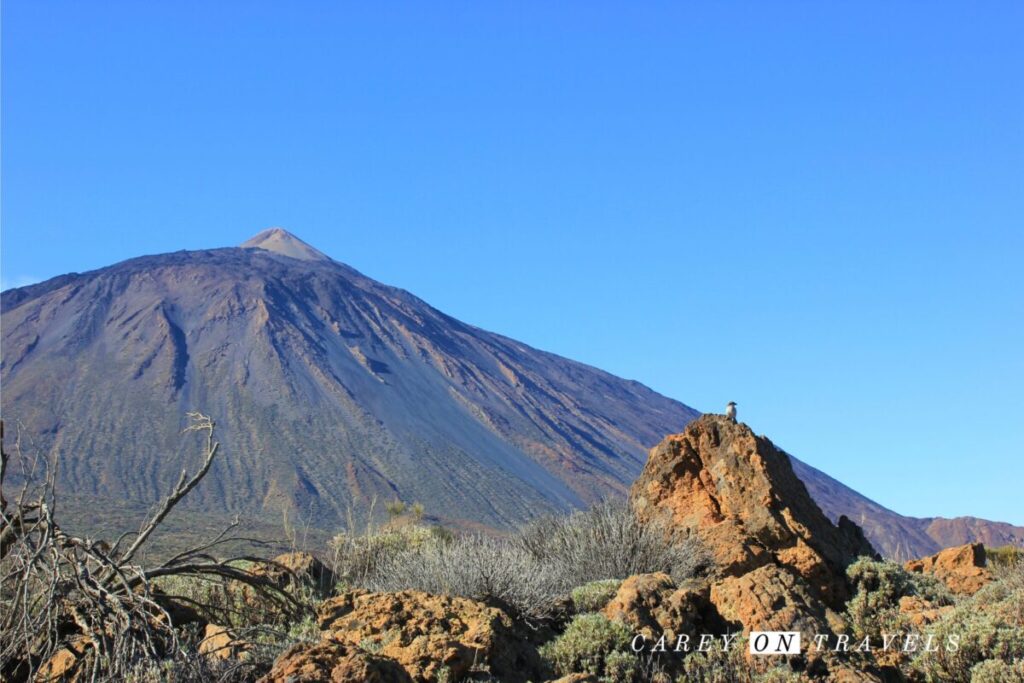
(280, 241)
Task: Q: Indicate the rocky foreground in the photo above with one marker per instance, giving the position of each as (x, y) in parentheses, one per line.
(760, 556)
(777, 563)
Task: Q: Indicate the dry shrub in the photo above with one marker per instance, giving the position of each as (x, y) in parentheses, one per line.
(1007, 556)
(357, 557)
(608, 541)
(534, 571)
(90, 605)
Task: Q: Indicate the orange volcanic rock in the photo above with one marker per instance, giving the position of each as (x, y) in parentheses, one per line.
(63, 664)
(770, 598)
(329, 662)
(921, 612)
(222, 643)
(427, 633)
(737, 492)
(962, 569)
(652, 604)
(427, 637)
(298, 570)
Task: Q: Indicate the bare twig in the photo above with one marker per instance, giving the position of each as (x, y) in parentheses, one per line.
(63, 592)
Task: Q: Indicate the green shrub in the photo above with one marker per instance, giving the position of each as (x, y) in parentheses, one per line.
(989, 625)
(593, 596)
(1006, 556)
(874, 608)
(593, 644)
(358, 556)
(620, 666)
(997, 671)
(720, 666)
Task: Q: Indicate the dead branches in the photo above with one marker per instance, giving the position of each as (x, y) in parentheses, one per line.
(78, 605)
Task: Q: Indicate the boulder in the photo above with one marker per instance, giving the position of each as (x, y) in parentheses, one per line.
(770, 598)
(298, 570)
(737, 492)
(221, 643)
(920, 612)
(962, 569)
(428, 634)
(653, 605)
(330, 662)
(63, 665)
(428, 637)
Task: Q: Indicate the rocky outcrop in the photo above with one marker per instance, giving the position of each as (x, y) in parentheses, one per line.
(652, 605)
(220, 642)
(962, 569)
(330, 662)
(427, 637)
(920, 612)
(770, 598)
(298, 571)
(737, 492)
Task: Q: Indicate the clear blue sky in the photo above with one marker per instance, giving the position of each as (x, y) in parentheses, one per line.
(814, 209)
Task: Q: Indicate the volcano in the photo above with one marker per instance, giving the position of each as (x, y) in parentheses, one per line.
(331, 391)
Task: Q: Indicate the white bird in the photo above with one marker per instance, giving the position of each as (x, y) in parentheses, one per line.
(730, 411)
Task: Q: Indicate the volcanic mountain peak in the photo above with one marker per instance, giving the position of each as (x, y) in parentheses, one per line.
(280, 241)
(332, 390)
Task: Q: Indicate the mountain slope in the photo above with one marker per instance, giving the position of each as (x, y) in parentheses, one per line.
(331, 390)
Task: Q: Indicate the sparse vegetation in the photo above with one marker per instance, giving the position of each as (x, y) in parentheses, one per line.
(417, 511)
(719, 665)
(595, 645)
(395, 508)
(609, 542)
(879, 585)
(95, 609)
(989, 627)
(1005, 557)
(87, 607)
(593, 596)
(358, 557)
(532, 571)
(998, 671)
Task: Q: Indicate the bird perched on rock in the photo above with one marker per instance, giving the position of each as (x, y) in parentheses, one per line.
(730, 411)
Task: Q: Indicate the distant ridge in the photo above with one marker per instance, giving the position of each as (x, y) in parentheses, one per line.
(898, 536)
(332, 391)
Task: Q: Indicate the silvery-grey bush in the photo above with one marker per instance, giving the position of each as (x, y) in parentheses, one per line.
(533, 570)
